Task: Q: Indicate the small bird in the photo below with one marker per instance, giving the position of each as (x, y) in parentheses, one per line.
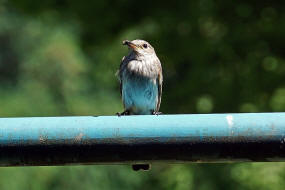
(140, 76)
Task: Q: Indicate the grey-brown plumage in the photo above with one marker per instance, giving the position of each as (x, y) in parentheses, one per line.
(140, 77)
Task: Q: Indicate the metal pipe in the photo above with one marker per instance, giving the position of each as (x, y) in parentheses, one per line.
(135, 139)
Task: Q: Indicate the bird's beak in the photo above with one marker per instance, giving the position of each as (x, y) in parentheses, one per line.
(130, 44)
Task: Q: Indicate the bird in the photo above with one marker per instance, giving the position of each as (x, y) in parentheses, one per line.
(140, 76)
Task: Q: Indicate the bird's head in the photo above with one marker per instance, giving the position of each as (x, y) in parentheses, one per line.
(140, 47)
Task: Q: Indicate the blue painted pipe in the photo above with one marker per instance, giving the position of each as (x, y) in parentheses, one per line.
(136, 139)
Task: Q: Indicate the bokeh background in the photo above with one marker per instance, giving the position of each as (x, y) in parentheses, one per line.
(59, 58)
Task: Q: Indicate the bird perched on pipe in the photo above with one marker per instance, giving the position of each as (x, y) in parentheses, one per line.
(140, 76)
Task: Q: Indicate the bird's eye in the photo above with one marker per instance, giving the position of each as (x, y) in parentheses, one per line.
(145, 45)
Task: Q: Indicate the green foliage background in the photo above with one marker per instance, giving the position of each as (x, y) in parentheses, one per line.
(60, 57)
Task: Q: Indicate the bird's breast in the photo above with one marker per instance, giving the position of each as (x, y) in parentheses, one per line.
(140, 94)
(146, 67)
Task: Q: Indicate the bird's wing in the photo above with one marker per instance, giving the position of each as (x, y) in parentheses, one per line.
(119, 74)
(159, 81)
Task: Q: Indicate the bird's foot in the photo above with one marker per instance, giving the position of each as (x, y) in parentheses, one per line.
(126, 112)
(156, 113)
(137, 167)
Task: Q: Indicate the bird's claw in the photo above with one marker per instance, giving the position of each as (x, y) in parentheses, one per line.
(126, 112)
(156, 113)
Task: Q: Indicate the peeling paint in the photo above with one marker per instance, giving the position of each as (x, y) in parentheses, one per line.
(230, 120)
(42, 139)
(79, 137)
